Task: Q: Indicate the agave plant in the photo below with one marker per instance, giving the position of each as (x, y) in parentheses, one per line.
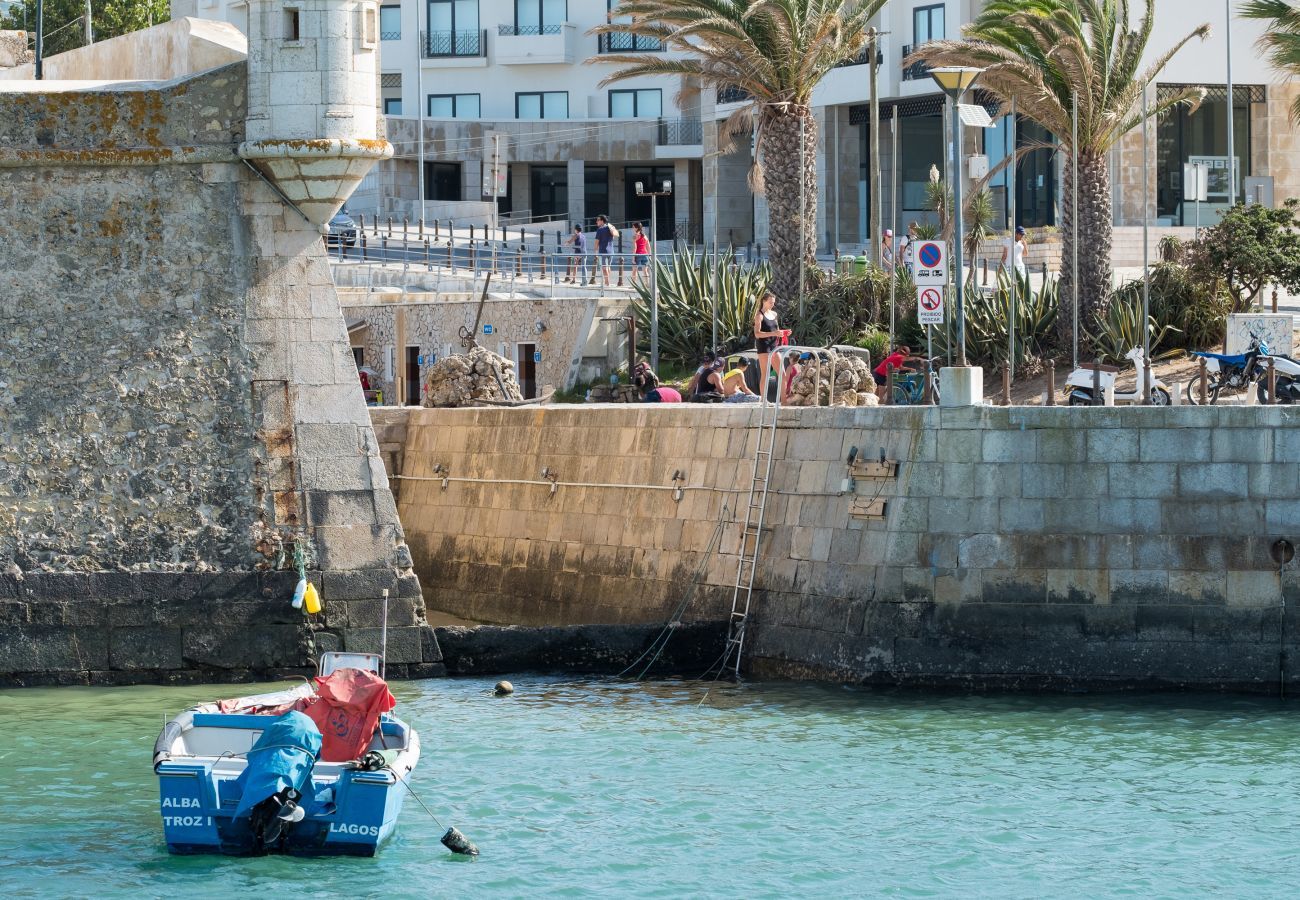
(686, 304)
(1197, 314)
(1120, 329)
(988, 316)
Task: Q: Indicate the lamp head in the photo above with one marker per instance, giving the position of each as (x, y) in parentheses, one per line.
(668, 187)
(955, 79)
(640, 188)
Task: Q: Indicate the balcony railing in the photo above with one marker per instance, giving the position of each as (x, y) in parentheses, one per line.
(916, 71)
(390, 35)
(627, 43)
(680, 132)
(527, 30)
(733, 95)
(454, 43)
(861, 58)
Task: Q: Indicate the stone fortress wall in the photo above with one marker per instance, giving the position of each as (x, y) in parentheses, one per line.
(178, 404)
(1111, 547)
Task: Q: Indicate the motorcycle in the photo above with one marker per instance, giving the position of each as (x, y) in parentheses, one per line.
(1079, 386)
(1286, 376)
(1227, 372)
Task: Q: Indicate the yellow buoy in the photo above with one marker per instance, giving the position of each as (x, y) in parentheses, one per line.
(311, 600)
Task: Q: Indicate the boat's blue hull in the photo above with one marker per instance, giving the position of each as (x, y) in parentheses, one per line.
(357, 812)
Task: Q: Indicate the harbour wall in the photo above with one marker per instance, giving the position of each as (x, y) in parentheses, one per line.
(997, 546)
(179, 409)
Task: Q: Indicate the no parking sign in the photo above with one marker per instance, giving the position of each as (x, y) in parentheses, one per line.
(931, 266)
(929, 305)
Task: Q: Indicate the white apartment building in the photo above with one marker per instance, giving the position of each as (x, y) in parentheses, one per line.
(520, 79)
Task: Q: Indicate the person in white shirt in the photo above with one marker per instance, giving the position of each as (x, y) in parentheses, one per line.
(1018, 261)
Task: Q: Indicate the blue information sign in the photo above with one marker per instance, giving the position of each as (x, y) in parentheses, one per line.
(537, 356)
(487, 329)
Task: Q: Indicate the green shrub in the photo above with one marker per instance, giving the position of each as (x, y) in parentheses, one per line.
(1119, 330)
(1250, 246)
(686, 304)
(1195, 312)
(873, 340)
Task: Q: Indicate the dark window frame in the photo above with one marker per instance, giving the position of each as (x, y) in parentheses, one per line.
(455, 99)
(542, 95)
(388, 100)
(390, 35)
(929, 10)
(474, 35)
(543, 26)
(636, 101)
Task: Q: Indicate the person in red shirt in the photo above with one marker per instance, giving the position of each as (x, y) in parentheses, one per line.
(640, 251)
(896, 359)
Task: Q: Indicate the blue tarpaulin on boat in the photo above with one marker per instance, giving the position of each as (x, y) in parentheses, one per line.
(282, 757)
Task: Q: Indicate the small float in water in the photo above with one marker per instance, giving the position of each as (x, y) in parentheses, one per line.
(321, 769)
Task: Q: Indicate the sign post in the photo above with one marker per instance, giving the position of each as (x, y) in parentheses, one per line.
(1196, 186)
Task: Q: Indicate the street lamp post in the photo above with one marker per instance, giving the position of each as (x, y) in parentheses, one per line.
(955, 80)
(1232, 148)
(666, 191)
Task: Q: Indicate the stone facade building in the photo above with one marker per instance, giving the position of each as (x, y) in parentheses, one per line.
(181, 421)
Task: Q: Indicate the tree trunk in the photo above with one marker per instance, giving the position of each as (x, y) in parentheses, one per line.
(779, 156)
(1094, 250)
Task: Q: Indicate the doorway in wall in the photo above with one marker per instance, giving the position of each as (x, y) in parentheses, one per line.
(526, 366)
(412, 375)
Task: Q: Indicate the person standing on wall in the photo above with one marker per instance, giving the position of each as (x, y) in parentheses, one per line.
(640, 251)
(1018, 261)
(579, 242)
(606, 234)
(767, 334)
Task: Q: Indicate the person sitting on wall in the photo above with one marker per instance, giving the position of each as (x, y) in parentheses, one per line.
(647, 383)
(705, 385)
(895, 360)
(734, 387)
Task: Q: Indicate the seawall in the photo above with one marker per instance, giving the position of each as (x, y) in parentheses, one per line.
(1045, 547)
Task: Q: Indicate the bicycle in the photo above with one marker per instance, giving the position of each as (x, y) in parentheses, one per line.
(909, 388)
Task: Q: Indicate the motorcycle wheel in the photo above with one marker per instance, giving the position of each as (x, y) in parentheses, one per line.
(1285, 387)
(1160, 397)
(1194, 390)
(1077, 400)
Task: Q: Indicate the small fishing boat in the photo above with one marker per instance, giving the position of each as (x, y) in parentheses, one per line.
(320, 769)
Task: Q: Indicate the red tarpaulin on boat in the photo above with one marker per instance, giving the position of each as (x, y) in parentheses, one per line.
(346, 709)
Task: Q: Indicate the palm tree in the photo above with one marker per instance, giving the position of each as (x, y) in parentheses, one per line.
(1281, 43)
(1044, 53)
(775, 51)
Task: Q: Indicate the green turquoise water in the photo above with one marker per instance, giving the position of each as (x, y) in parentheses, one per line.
(601, 788)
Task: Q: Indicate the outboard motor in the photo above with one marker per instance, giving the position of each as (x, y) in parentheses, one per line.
(276, 778)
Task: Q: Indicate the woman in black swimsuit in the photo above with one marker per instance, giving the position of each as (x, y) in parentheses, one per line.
(767, 333)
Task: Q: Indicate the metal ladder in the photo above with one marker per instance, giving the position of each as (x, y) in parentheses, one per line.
(751, 534)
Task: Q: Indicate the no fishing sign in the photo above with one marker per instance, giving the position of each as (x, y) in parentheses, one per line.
(929, 305)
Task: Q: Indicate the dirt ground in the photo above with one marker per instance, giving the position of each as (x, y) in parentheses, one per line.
(1029, 391)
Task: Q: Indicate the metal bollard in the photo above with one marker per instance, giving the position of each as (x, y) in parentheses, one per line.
(928, 395)
(1096, 384)
(364, 254)
(473, 258)
(1051, 382)
(1146, 383)
(420, 226)
(361, 221)
(1205, 388)
(1275, 300)
(383, 243)
(1006, 387)
(428, 261)
(519, 263)
(620, 268)
(390, 226)
(436, 236)
(889, 384)
(451, 263)
(1272, 381)
(406, 229)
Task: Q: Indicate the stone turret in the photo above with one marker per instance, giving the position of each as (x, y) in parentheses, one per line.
(312, 127)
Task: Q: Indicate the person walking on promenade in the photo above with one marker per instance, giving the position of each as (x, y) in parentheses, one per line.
(579, 242)
(767, 334)
(1018, 261)
(640, 251)
(605, 236)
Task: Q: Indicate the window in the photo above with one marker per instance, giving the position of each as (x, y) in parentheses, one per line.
(291, 32)
(546, 105)
(539, 16)
(550, 190)
(624, 43)
(453, 106)
(595, 193)
(390, 23)
(927, 24)
(453, 29)
(636, 104)
(392, 106)
(442, 181)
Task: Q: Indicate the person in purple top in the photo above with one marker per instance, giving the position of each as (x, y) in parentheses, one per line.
(579, 242)
(605, 237)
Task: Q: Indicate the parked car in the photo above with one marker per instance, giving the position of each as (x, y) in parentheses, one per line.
(342, 229)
